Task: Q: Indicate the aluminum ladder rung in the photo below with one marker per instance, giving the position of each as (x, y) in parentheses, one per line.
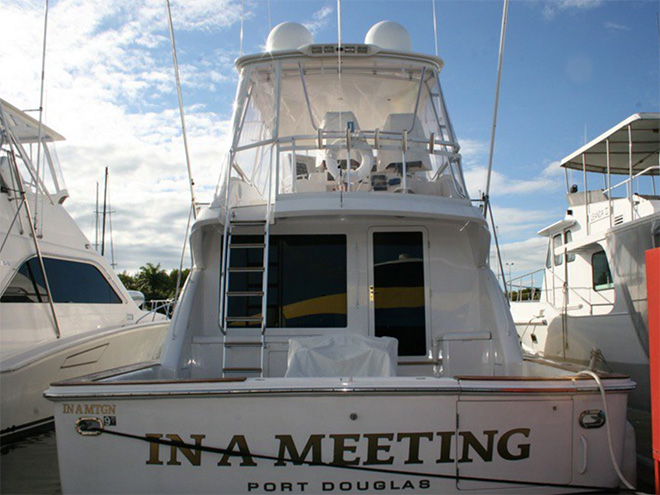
(247, 223)
(243, 293)
(247, 246)
(247, 269)
(246, 319)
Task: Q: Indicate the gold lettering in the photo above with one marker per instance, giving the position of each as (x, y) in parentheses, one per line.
(154, 449)
(413, 445)
(243, 451)
(67, 408)
(341, 448)
(79, 409)
(445, 446)
(374, 446)
(194, 456)
(287, 445)
(503, 445)
(469, 440)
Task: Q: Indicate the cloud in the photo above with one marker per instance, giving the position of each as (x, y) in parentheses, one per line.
(523, 257)
(552, 8)
(110, 91)
(613, 26)
(320, 20)
(548, 178)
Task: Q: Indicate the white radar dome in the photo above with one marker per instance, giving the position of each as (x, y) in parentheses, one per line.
(389, 35)
(288, 36)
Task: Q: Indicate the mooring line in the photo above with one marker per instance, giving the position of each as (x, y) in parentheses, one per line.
(456, 477)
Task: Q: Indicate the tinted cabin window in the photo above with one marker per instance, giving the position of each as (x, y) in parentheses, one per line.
(70, 282)
(399, 309)
(306, 281)
(601, 272)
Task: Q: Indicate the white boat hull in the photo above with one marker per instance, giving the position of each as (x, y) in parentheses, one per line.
(401, 435)
(24, 409)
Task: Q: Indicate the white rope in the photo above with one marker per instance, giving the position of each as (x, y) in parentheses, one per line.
(497, 95)
(181, 113)
(596, 378)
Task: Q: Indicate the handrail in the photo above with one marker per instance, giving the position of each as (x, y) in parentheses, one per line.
(573, 290)
(169, 304)
(629, 179)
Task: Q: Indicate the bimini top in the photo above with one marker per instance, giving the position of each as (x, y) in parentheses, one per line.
(645, 139)
(25, 128)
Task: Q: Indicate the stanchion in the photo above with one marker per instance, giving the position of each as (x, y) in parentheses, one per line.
(653, 291)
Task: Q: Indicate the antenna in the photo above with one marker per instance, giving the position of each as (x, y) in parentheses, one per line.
(270, 24)
(435, 29)
(105, 204)
(112, 244)
(96, 220)
(242, 22)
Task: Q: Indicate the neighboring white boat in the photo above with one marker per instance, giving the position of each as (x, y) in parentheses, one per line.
(341, 330)
(591, 301)
(79, 318)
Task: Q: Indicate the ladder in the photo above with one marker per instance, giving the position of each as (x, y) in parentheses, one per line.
(244, 334)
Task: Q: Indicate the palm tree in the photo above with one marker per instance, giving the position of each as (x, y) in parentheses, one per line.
(153, 282)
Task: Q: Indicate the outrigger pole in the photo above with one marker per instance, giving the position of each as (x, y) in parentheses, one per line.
(497, 98)
(181, 113)
(193, 201)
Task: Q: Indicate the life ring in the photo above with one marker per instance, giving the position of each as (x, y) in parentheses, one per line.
(329, 156)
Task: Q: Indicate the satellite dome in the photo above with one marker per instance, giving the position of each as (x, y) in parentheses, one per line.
(288, 36)
(389, 35)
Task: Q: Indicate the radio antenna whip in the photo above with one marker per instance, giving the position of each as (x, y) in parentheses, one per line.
(435, 30)
(497, 98)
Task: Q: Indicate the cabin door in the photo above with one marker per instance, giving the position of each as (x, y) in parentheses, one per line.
(398, 288)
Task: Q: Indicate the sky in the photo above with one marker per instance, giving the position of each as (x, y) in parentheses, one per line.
(572, 69)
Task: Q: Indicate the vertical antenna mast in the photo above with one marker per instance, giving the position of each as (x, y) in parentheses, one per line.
(435, 30)
(180, 97)
(497, 98)
(105, 204)
(96, 220)
(242, 21)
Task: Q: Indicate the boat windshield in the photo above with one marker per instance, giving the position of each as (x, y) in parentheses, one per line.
(298, 123)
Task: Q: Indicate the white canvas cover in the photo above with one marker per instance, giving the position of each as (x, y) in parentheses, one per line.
(342, 355)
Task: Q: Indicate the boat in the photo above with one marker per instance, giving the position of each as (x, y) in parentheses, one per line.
(589, 305)
(63, 311)
(590, 301)
(341, 330)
